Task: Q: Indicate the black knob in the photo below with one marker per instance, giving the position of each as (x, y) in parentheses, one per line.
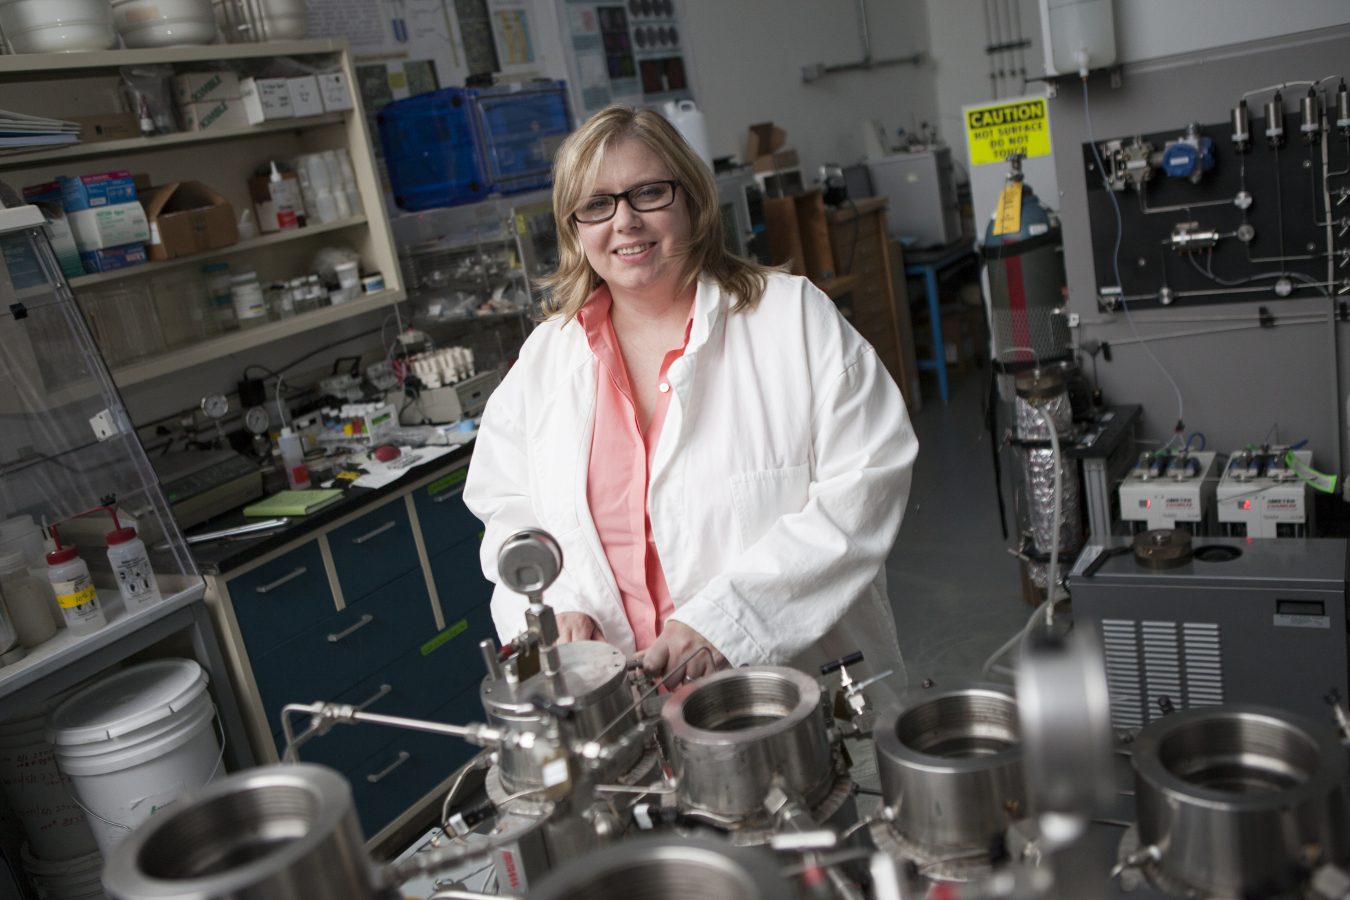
(852, 658)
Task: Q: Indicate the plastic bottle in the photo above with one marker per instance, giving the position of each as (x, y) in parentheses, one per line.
(293, 458)
(340, 195)
(131, 565)
(75, 592)
(349, 181)
(25, 599)
(218, 286)
(250, 306)
(39, 572)
(21, 533)
(11, 648)
(285, 200)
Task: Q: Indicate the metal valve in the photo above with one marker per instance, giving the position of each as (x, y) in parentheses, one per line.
(852, 695)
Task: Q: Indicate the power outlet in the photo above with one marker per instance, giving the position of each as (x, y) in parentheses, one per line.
(1073, 320)
(104, 425)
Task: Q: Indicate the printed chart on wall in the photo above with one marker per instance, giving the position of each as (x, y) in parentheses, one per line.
(624, 51)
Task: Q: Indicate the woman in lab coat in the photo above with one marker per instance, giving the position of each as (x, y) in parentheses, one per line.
(722, 457)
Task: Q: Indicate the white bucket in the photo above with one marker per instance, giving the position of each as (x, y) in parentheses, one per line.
(55, 824)
(68, 880)
(136, 742)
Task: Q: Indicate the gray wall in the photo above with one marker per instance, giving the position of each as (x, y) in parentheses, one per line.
(1235, 385)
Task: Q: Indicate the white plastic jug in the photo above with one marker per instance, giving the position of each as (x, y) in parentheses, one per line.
(690, 123)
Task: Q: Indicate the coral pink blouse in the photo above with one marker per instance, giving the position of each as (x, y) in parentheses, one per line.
(619, 469)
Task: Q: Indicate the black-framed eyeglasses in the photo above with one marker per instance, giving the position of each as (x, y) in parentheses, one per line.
(643, 198)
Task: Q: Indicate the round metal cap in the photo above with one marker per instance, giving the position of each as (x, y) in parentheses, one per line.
(529, 561)
(1041, 383)
(1162, 548)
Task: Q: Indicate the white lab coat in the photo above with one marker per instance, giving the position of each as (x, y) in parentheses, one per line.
(777, 487)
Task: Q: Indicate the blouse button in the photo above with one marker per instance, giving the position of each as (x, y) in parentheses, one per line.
(664, 387)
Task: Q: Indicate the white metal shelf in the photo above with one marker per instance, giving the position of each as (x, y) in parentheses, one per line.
(239, 341)
(266, 240)
(25, 63)
(162, 141)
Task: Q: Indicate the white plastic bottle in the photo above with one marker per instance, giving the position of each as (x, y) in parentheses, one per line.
(26, 601)
(131, 565)
(293, 458)
(75, 592)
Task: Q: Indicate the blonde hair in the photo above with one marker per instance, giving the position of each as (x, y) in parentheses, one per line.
(574, 172)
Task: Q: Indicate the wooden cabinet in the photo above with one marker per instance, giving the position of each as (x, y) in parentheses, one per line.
(863, 265)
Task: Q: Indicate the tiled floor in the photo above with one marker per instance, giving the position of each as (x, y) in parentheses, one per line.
(955, 590)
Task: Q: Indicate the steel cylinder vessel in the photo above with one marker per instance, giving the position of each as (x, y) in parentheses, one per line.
(669, 869)
(1238, 797)
(594, 685)
(733, 732)
(275, 833)
(951, 763)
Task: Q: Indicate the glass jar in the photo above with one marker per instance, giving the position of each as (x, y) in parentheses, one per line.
(218, 289)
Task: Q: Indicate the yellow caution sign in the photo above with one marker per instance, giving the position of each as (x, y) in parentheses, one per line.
(996, 130)
(1008, 217)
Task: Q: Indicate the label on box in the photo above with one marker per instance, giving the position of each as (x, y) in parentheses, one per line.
(215, 114)
(112, 258)
(266, 99)
(333, 89)
(305, 99)
(203, 87)
(109, 226)
(89, 191)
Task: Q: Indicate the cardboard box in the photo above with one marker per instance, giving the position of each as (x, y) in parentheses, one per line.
(215, 114)
(773, 162)
(333, 90)
(205, 87)
(266, 99)
(305, 97)
(114, 127)
(963, 338)
(90, 191)
(47, 197)
(762, 140)
(109, 226)
(111, 258)
(187, 217)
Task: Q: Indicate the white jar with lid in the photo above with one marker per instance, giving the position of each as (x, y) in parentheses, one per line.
(25, 600)
(250, 305)
(75, 592)
(131, 566)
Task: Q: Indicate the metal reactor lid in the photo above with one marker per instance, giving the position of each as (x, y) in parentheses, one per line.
(590, 669)
(1042, 383)
(1163, 548)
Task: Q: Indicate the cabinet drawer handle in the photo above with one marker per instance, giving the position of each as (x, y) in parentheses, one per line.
(365, 620)
(403, 756)
(381, 530)
(384, 689)
(441, 498)
(264, 588)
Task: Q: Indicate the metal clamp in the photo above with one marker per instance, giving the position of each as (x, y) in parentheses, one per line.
(264, 588)
(441, 498)
(403, 756)
(365, 620)
(381, 530)
(384, 689)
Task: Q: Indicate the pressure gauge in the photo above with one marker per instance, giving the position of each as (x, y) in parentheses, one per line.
(216, 406)
(256, 421)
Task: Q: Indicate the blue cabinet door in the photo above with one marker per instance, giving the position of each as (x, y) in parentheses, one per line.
(458, 574)
(278, 600)
(442, 515)
(403, 772)
(339, 652)
(373, 550)
(414, 685)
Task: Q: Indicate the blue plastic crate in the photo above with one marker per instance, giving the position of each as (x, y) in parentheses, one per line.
(431, 149)
(521, 128)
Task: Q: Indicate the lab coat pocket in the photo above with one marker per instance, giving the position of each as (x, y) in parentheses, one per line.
(762, 497)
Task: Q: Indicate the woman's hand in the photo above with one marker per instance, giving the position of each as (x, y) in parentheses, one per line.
(574, 626)
(676, 642)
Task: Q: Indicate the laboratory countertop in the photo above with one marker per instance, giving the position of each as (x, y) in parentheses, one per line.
(224, 556)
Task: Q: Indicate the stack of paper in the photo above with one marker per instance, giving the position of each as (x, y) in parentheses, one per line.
(19, 131)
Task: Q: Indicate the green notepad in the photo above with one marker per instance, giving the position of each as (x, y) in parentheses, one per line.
(293, 503)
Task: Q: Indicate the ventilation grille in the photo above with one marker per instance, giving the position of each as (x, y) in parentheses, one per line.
(1147, 660)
